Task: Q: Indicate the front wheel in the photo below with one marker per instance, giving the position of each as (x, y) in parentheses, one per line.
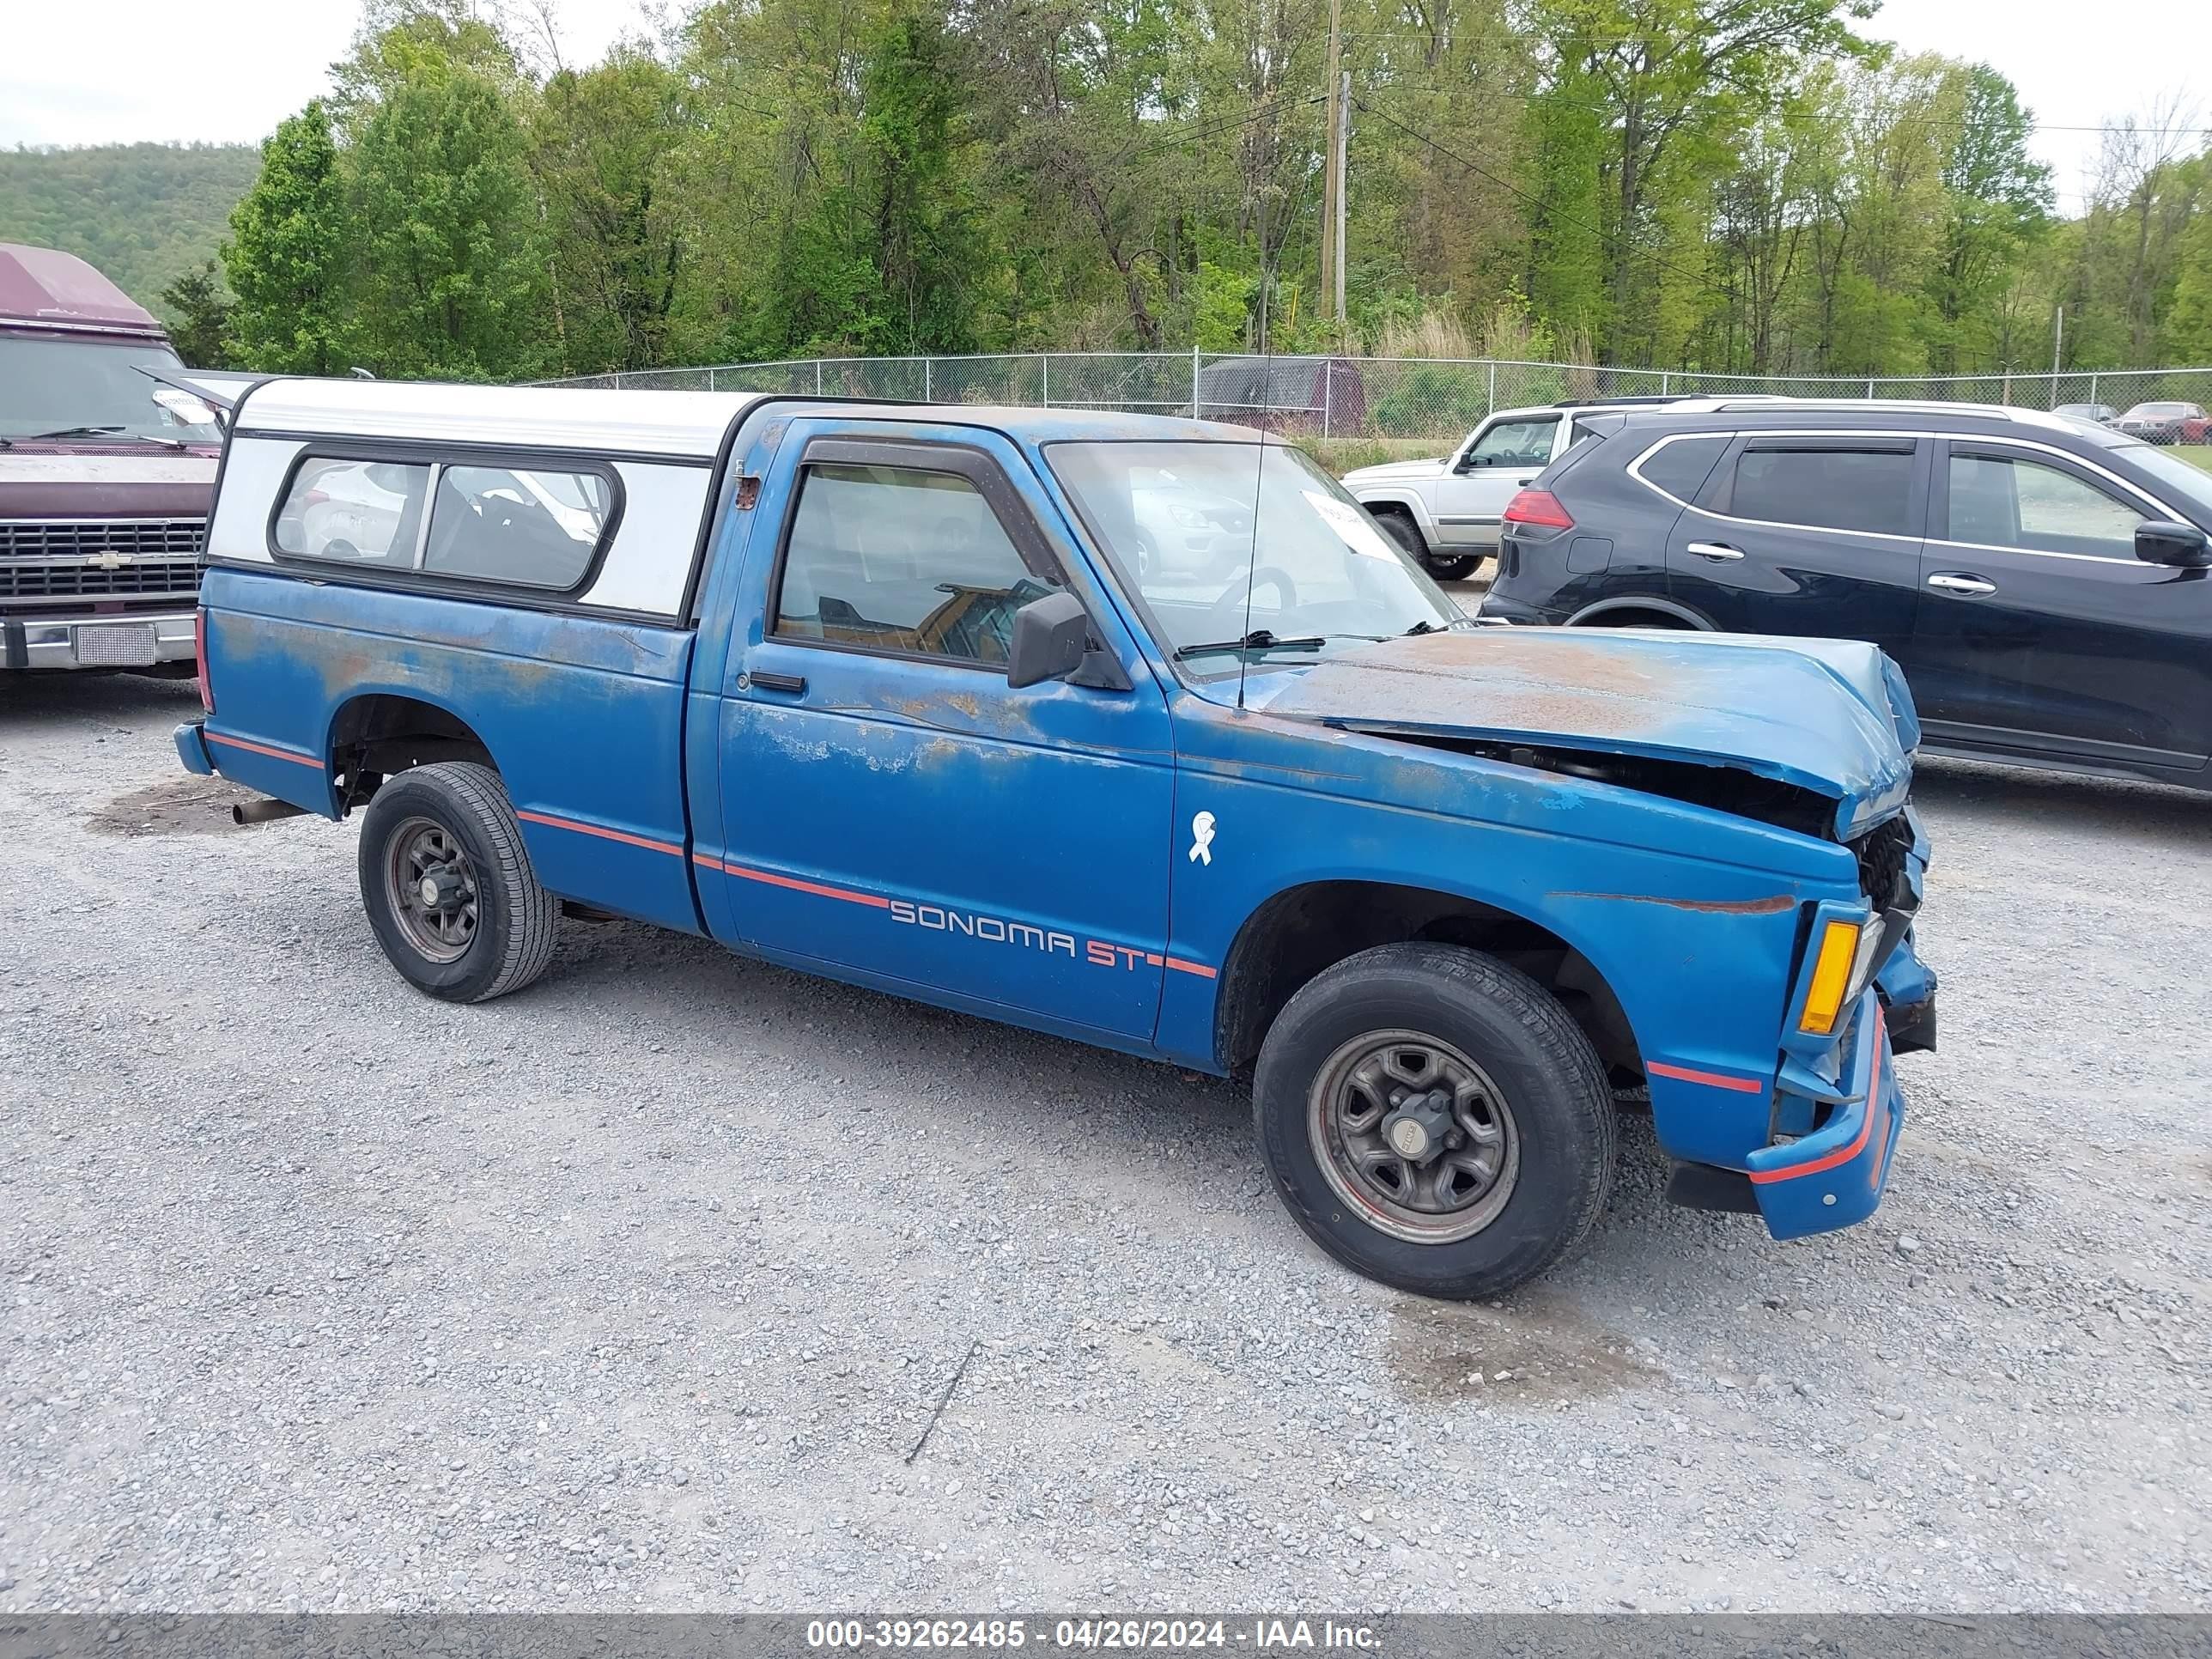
(448, 886)
(1453, 569)
(1434, 1120)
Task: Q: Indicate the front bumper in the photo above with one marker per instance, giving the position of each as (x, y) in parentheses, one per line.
(112, 641)
(1833, 1177)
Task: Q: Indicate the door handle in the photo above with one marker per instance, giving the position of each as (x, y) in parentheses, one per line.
(1971, 585)
(1719, 552)
(766, 682)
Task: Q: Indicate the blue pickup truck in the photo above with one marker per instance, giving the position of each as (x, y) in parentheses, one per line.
(1135, 730)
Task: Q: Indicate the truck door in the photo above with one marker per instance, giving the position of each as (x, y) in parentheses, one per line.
(890, 806)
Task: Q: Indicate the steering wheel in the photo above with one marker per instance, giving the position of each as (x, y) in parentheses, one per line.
(1233, 600)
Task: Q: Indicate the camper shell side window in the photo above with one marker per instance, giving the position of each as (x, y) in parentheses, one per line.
(535, 521)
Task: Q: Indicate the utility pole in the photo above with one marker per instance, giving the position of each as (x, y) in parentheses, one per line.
(1332, 203)
(2057, 341)
(1343, 105)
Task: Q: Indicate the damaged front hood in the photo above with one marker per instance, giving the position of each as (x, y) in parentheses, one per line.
(1831, 716)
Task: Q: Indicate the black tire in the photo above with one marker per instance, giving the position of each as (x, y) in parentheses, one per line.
(510, 921)
(1399, 525)
(1456, 569)
(1559, 1114)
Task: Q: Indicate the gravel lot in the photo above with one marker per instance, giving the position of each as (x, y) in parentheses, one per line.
(325, 1296)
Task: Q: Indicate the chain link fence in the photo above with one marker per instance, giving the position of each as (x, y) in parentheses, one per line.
(1428, 400)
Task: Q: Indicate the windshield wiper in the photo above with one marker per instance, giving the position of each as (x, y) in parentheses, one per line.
(93, 432)
(1425, 626)
(1258, 638)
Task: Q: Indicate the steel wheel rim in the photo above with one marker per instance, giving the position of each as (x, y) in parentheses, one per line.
(1451, 1195)
(432, 889)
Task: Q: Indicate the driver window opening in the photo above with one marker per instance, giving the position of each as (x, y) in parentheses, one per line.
(901, 559)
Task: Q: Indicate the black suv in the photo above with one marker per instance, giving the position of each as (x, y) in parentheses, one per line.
(2043, 583)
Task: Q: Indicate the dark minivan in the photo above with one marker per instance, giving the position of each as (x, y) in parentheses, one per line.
(2044, 584)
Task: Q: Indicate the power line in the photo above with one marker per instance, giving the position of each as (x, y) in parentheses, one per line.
(1274, 106)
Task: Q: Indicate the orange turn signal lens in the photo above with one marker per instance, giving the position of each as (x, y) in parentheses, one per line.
(1832, 978)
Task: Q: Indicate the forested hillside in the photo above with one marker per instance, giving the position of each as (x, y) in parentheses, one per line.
(145, 214)
(1740, 185)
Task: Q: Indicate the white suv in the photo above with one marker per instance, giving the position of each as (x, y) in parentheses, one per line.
(1446, 512)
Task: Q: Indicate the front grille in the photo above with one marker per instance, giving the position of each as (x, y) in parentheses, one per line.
(50, 561)
(1881, 853)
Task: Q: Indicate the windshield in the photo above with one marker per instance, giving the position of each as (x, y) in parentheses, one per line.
(53, 385)
(2151, 411)
(1177, 520)
(2189, 486)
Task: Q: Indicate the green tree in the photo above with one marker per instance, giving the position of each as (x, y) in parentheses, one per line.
(451, 275)
(199, 313)
(1670, 86)
(2188, 323)
(923, 233)
(287, 258)
(603, 145)
(1994, 200)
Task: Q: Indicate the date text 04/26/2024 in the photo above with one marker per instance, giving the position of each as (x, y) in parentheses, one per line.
(1257, 1635)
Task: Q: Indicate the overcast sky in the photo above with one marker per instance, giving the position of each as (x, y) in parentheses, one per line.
(227, 70)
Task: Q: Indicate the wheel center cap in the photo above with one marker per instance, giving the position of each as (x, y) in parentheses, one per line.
(1409, 1137)
(439, 891)
(1417, 1129)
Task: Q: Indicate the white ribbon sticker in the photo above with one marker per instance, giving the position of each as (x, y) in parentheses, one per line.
(1201, 838)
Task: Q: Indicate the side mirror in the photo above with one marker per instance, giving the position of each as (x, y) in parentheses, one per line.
(1051, 637)
(2181, 545)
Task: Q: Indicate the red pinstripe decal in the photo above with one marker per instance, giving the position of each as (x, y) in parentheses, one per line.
(1198, 968)
(798, 886)
(1842, 1154)
(293, 755)
(1741, 1085)
(604, 834)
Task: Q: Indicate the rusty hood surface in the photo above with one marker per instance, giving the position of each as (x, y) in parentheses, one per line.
(1833, 716)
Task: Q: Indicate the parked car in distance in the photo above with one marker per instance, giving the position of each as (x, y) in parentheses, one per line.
(2099, 414)
(1447, 512)
(2045, 585)
(105, 473)
(892, 695)
(2165, 423)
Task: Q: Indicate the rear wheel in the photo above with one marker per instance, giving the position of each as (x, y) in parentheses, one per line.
(1434, 1120)
(448, 886)
(1401, 529)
